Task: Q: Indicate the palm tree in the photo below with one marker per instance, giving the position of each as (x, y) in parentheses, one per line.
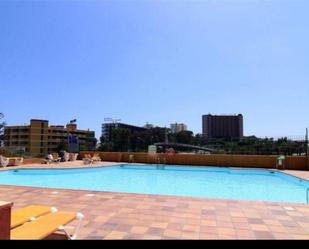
(2, 124)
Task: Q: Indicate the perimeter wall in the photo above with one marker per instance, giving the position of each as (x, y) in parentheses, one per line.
(248, 161)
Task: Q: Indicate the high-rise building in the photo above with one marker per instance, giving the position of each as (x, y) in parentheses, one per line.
(223, 126)
(148, 126)
(40, 138)
(178, 127)
(107, 129)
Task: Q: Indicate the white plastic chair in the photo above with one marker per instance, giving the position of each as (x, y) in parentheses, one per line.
(4, 162)
(66, 156)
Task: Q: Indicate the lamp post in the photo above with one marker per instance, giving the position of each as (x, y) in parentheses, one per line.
(307, 148)
(166, 136)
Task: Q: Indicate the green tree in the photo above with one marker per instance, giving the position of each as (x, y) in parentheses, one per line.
(63, 145)
(90, 143)
(184, 137)
(125, 140)
(199, 140)
(83, 148)
(254, 145)
(105, 147)
(121, 139)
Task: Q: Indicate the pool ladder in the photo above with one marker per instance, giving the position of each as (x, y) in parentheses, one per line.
(281, 168)
(161, 163)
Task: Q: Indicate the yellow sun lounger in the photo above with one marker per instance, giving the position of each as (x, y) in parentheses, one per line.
(29, 213)
(46, 225)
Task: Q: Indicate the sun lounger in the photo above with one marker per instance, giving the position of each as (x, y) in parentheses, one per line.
(16, 161)
(53, 159)
(46, 225)
(66, 156)
(96, 158)
(73, 156)
(87, 159)
(56, 158)
(23, 215)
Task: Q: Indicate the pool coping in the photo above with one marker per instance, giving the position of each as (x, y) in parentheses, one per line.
(192, 198)
(21, 167)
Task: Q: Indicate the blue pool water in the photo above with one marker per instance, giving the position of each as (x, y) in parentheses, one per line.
(209, 182)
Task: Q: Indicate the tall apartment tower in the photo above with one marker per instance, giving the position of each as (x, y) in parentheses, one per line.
(176, 127)
(223, 126)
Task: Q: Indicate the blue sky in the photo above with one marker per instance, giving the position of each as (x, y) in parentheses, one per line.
(156, 61)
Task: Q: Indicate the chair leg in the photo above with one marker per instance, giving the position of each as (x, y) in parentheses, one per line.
(79, 217)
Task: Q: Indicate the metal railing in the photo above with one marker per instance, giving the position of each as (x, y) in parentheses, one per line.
(307, 195)
(282, 164)
(161, 162)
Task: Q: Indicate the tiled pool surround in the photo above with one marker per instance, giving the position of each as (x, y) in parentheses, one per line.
(137, 216)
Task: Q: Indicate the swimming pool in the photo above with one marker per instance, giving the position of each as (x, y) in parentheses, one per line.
(206, 182)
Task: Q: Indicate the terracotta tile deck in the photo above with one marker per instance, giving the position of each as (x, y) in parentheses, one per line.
(137, 216)
(62, 165)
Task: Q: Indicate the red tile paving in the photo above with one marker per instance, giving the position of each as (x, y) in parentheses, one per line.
(118, 216)
(136, 216)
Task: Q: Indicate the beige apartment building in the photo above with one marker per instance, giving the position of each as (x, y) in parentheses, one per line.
(176, 127)
(40, 138)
